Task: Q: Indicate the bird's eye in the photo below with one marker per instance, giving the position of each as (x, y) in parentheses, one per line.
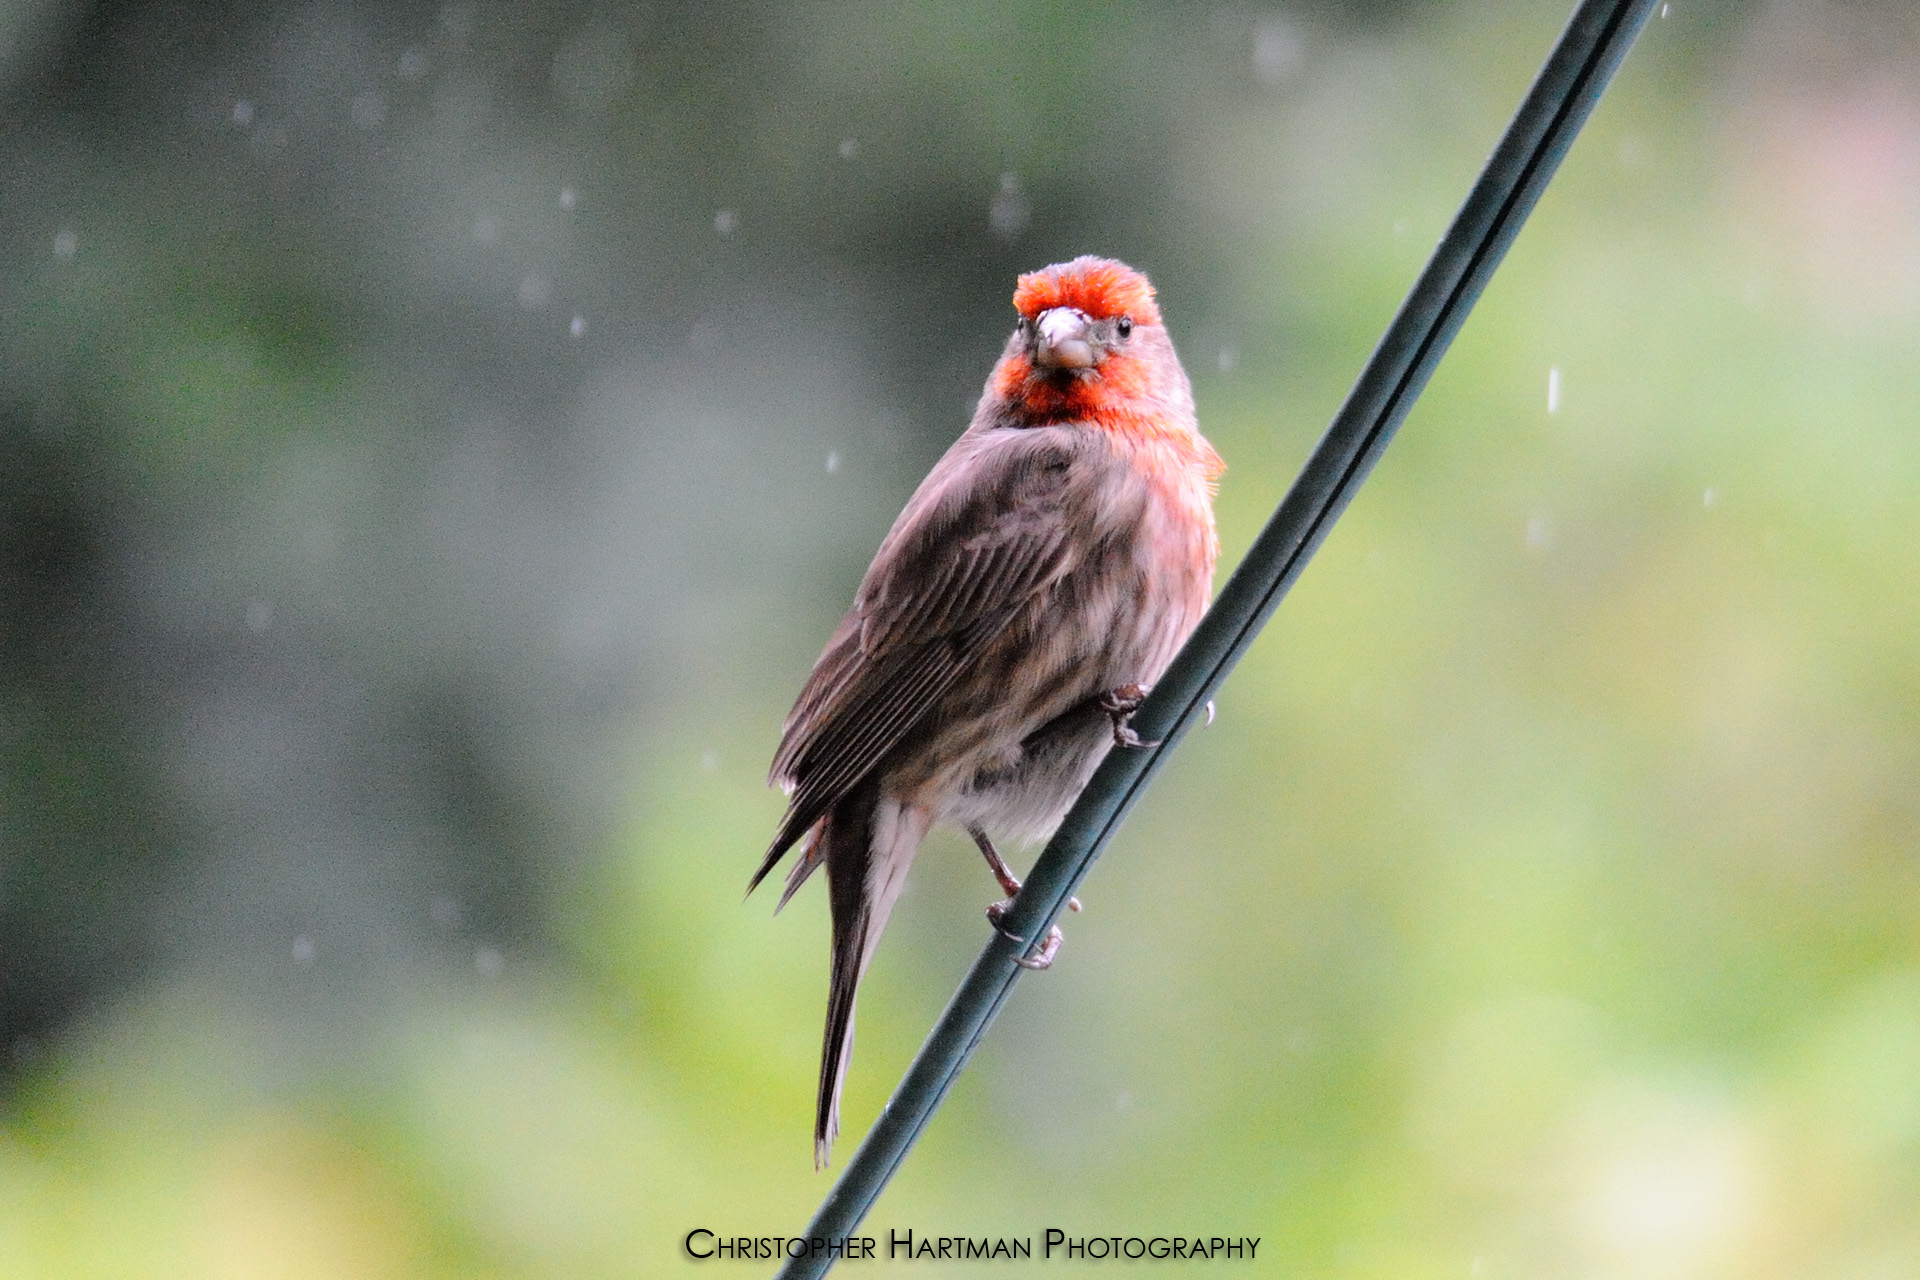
(1124, 327)
(1022, 325)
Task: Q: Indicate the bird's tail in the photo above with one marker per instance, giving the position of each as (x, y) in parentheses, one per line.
(867, 842)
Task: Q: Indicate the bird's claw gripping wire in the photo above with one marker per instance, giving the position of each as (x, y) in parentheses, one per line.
(1120, 704)
(1041, 959)
(997, 911)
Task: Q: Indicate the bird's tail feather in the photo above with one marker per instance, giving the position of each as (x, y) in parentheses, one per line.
(867, 843)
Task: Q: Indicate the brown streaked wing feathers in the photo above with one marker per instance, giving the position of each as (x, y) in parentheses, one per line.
(948, 579)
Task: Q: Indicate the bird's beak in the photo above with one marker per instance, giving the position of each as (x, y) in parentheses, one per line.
(1061, 340)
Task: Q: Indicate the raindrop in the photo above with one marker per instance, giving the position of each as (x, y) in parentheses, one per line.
(849, 148)
(486, 229)
(243, 112)
(534, 291)
(1553, 389)
(1478, 1269)
(1010, 212)
(833, 463)
(1711, 496)
(1401, 226)
(65, 244)
(1276, 51)
(1123, 1101)
(568, 197)
(577, 326)
(488, 961)
(709, 759)
(726, 222)
(446, 911)
(259, 616)
(412, 64)
(1539, 532)
(1229, 359)
(303, 951)
(458, 18)
(1664, 8)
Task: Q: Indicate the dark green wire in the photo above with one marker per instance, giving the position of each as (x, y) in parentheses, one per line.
(1576, 73)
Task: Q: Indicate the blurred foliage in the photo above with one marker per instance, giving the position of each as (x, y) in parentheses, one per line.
(438, 439)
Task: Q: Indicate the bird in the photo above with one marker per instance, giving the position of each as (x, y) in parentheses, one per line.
(1036, 584)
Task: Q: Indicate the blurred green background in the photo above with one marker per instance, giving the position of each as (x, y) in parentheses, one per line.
(438, 439)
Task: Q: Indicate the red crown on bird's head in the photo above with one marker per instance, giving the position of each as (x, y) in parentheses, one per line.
(1100, 287)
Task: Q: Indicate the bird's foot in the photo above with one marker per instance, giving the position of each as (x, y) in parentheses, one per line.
(997, 912)
(1120, 704)
(1048, 950)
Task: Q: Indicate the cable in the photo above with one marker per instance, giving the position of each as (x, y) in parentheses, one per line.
(1576, 73)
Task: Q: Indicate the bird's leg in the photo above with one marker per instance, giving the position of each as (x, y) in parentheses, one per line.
(1120, 704)
(997, 911)
(1009, 883)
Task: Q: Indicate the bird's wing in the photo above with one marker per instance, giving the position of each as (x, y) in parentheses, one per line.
(985, 532)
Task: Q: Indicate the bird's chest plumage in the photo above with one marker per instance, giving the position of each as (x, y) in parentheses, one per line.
(1029, 717)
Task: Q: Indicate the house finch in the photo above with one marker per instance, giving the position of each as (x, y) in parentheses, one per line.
(1040, 579)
